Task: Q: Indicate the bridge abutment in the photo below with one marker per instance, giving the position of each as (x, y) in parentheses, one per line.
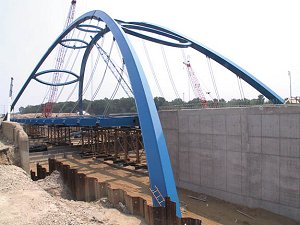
(15, 133)
(249, 156)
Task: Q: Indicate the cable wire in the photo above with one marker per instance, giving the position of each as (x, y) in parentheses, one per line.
(152, 69)
(169, 71)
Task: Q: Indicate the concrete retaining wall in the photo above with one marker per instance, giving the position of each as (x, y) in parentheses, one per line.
(248, 156)
(15, 133)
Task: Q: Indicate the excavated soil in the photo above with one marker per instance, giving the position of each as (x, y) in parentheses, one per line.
(23, 201)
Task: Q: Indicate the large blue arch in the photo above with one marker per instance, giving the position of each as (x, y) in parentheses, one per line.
(160, 170)
(158, 161)
(185, 42)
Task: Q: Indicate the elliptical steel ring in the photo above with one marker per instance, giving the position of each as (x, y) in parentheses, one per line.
(182, 42)
(73, 40)
(56, 71)
(82, 27)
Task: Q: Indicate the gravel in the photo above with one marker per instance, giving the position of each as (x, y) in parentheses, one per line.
(23, 201)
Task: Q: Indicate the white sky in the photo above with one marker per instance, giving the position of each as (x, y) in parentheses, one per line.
(260, 36)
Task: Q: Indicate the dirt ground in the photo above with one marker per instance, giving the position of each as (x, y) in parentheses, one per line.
(23, 201)
(210, 210)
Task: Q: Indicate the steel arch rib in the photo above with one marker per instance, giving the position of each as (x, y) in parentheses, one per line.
(158, 161)
(73, 25)
(159, 165)
(48, 52)
(243, 74)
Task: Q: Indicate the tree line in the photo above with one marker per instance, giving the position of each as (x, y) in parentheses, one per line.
(127, 105)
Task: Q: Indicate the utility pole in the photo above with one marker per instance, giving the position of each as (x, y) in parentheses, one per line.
(290, 76)
(10, 98)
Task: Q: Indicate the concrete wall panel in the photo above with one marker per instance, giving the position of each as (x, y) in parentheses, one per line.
(289, 189)
(219, 142)
(219, 124)
(234, 172)
(254, 125)
(233, 124)
(255, 144)
(234, 143)
(270, 178)
(289, 126)
(270, 146)
(270, 126)
(290, 147)
(249, 156)
(219, 164)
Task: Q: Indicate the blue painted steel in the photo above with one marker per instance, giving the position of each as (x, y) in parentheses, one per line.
(183, 43)
(160, 170)
(159, 165)
(56, 71)
(96, 28)
(89, 121)
(101, 121)
(72, 121)
(121, 121)
(82, 69)
(73, 40)
(243, 74)
(78, 21)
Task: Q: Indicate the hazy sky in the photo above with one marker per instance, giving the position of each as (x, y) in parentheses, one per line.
(262, 36)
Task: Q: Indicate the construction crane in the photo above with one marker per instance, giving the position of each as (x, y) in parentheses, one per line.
(195, 84)
(48, 107)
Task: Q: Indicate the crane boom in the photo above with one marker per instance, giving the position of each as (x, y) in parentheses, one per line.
(48, 107)
(195, 84)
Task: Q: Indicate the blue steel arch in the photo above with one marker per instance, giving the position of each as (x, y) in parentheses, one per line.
(158, 161)
(160, 170)
(159, 165)
(60, 38)
(186, 42)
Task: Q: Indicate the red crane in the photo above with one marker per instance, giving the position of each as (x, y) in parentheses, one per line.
(48, 107)
(195, 84)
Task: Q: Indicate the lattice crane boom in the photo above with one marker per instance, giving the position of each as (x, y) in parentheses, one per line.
(195, 84)
(48, 107)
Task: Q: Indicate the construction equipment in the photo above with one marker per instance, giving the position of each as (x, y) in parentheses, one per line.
(48, 107)
(195, 84)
